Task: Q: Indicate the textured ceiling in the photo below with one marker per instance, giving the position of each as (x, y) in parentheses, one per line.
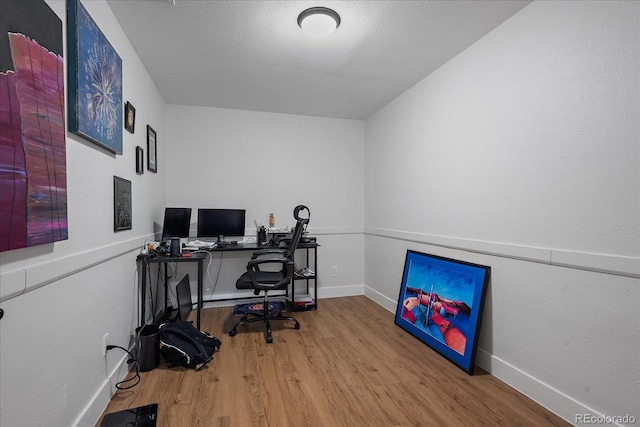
(251, 55)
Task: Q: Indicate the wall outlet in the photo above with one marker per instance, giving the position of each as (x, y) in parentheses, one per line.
(334, 271)
(105, 339)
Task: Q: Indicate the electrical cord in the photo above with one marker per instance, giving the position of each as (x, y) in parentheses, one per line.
(150, 288)
(152, 299)
(131, 360)
(215, 285)
(209, 256)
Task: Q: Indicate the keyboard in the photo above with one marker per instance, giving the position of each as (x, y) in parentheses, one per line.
(198, 244)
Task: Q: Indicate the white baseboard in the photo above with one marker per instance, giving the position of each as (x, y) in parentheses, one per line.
(554, 400)
(380, 299)
(100, 400)
(96, 406)
(340, 291)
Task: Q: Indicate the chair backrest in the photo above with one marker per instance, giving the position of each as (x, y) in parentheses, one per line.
(296, 236)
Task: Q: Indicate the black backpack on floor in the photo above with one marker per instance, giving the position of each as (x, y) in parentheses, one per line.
(183, 344)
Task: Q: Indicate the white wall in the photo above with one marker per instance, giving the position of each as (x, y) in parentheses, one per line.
(60, 299)
(266, 162)
(522, 153)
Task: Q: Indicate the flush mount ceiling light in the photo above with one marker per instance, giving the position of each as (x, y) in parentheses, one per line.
(319, 21)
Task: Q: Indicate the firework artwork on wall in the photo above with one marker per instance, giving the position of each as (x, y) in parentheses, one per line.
(95, 81)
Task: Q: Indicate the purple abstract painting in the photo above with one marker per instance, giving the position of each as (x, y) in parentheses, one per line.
(33, 179)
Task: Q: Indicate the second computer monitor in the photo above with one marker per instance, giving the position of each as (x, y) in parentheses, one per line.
(176, 223)
(220, 223)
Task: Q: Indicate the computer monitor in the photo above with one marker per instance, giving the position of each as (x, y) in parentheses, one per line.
(176, 223)
(220, 223)
(183, 294)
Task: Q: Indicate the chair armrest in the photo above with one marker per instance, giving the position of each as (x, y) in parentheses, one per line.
(254, 263)
(254, 266)
(269, 251)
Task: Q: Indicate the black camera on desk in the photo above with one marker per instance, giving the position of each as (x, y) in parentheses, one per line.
(171, 248)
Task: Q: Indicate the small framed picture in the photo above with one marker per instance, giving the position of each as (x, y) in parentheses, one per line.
(121, 204)
(152, 150)
(129, 117)
(139, 160)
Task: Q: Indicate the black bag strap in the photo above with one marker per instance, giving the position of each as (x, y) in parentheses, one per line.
(201, 351)
(187, 327)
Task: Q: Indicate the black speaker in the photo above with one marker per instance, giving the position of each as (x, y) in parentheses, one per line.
(175, 247)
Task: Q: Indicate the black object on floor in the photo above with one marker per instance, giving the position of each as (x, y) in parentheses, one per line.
(143, 416)
(149, 354)
(257, 307)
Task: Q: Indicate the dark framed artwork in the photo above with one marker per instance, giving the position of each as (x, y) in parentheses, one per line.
(441, 302)
(122, 215)
(95, 81)
(152, 150)
(139, 160)
(33, 170)
(129, 117)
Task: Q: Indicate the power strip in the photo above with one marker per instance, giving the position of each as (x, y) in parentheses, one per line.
(275, 230)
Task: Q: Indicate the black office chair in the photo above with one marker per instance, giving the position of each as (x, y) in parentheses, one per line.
(269, 280)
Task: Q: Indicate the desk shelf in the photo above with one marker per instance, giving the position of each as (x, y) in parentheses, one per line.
(306, 287)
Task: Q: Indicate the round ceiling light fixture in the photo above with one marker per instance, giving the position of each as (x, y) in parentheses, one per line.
(319, 21)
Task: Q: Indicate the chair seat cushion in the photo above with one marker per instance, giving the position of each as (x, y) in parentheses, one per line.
(266, 277)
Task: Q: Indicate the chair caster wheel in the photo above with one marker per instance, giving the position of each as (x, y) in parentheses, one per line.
(232, 333)
(297, 326)
(269, 340)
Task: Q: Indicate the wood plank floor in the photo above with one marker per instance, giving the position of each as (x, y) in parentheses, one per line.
(348, 365)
